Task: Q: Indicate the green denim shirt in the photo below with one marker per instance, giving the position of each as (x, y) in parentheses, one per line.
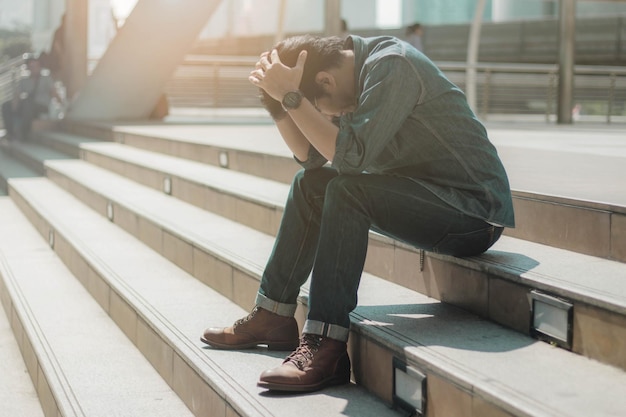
(411, 121)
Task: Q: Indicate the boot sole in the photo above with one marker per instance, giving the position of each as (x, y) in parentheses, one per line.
(278, 346)
(333, 381)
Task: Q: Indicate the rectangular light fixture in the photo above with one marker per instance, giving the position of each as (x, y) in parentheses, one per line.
(551, 319)
(409, 388)
(110, 210)
(167, 185)
(223, 159)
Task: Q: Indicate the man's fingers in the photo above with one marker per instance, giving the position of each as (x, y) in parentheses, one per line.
(301, 59)
(265, 63)
(257, 73)
(254, 80)
(274, 57)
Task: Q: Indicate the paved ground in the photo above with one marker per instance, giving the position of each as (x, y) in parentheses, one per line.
(582, 161)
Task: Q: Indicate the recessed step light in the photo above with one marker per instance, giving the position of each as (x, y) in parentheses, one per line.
(110, 210)
(409, 388)
(223, 159)
(167, 185)
(551, 319)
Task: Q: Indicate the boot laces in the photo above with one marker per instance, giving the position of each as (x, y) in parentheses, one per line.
(309, 345)
(247, 318)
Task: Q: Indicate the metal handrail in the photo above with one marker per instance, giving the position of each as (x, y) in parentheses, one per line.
(10, 64)
(8, 77)
(499, 82)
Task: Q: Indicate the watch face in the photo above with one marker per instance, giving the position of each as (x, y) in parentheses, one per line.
(292, 100)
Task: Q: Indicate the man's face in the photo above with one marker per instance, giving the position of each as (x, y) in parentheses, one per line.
(338, 99)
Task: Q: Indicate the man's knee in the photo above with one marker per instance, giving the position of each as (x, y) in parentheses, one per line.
(343, 184)
(313, 179)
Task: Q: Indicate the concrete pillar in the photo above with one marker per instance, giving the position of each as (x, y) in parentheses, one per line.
(332, 19)
(567, 35)
(473, 45)
(131, 75)
(280, 27)
(76, 45)
(46, 18)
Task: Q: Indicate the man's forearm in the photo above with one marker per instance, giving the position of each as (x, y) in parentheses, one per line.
(315, 128)
(293, 137)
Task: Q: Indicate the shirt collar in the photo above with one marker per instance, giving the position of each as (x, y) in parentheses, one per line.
(360, 48)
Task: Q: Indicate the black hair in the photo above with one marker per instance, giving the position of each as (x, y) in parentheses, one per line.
(323, 53)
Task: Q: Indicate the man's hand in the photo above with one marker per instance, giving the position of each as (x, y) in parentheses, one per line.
(275, 78)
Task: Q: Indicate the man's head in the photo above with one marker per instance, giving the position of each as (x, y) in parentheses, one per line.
(328, 77)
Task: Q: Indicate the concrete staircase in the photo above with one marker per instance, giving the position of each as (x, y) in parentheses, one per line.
(127, 241)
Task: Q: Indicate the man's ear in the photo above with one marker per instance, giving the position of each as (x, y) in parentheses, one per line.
(326, 81)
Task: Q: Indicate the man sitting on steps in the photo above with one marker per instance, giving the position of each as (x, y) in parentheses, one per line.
(409, 159)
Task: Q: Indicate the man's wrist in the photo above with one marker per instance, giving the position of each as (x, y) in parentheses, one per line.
(292, 100)
(278, 116)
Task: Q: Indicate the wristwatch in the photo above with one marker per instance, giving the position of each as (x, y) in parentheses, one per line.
(292, 100)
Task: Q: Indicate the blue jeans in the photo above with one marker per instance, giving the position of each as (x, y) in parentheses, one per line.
(325, 230)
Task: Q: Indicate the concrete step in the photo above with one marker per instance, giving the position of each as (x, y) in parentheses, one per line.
(33, 155)
(61, 142)
(17, 393)
(12, 168)
(473, 367)
(163, 310)
(495, 285)
(556, 214)
(81, 363)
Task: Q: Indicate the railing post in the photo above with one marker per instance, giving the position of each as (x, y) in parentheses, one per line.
(486, 92)
(567, 22)
(472, 55)
(216, 85)
(612, 83)
(550, 95)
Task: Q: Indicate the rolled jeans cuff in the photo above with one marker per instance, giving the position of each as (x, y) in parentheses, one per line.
(282, 309)
(326, 329)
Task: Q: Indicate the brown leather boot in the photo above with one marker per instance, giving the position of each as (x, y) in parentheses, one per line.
(260, 327)
(317, 363)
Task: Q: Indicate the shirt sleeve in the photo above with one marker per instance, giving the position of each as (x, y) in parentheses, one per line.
(390, 92)
(314, 160)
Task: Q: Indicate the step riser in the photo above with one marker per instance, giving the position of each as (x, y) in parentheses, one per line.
(598, 334)
(587, 230)
(87, 130)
